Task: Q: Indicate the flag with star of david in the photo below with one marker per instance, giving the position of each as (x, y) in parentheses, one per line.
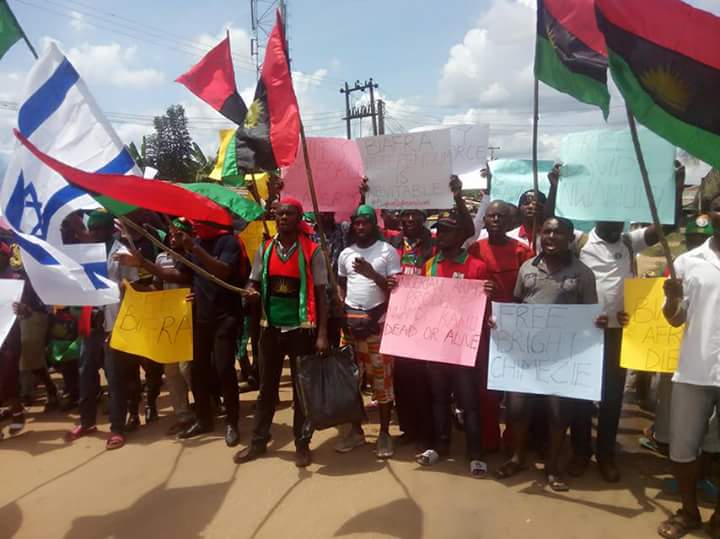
(59, 115)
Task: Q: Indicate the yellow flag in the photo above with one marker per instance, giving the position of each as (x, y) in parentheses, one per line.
(252, 236)
(155, 325)
(226, 135)
(649, 342)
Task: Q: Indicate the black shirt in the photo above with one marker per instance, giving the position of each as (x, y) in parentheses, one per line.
(211, 300)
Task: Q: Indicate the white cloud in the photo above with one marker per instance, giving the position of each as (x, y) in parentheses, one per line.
(113, 64)
(77, 21)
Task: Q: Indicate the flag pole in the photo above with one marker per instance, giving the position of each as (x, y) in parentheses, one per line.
(650, 196)
(318, 220)
(22, 32)
(160, 245)
(536, 185)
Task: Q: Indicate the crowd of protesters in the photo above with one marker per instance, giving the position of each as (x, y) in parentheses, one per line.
(297, 302)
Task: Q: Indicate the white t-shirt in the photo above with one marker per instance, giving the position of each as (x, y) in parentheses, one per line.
(117, 273)
(363, 293)
(612, 263)
(700, 350)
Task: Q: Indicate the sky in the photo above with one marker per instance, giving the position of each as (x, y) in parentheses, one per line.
(436, 63)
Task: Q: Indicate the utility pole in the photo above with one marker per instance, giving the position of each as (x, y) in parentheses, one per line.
(492, 151)
(262, 20)
(363, 111)
(381, 116)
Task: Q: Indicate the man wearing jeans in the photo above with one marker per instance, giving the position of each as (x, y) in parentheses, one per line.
(693, 300)
(290, 277)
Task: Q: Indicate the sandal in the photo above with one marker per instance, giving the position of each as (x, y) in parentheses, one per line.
(509, 469)
(556, 483)
(17, 423)
(428, 458)
(679, 525)
(712, 528)
(116, 441)
(478, 469)
(79, 431)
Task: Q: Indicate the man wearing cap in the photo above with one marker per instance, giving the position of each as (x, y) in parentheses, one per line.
(446, 380)
(365, 269)
(289, 276)
(415, 246)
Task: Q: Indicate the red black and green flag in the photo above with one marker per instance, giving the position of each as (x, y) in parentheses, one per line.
(666, 63)
(269, 137)
(570, 51)
(213, 80)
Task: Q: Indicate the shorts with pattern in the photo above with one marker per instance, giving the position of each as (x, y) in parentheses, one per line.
(377, 366)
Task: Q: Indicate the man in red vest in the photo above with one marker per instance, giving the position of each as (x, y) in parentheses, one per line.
(290, 275)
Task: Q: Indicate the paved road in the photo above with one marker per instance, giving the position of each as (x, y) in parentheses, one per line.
(159, 487)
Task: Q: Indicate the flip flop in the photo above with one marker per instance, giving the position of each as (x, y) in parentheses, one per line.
(679, 525)
(478, 469)
(509, 469)
(78, 432)
(556, 483)
(115, 441)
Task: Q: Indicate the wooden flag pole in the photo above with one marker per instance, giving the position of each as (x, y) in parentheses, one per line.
(536, 184)
(313, 196)
(197, 269)
(649, 193)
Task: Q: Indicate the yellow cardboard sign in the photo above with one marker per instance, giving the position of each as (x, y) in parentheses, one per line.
(155, 325)
(252, 236)
(649, 342)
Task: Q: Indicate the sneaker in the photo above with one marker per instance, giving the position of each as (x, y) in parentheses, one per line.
(351, 441)
(384, 447)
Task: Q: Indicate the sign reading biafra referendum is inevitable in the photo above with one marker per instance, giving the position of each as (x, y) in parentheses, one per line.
(546, 350)
(435, 319)
(412, 170)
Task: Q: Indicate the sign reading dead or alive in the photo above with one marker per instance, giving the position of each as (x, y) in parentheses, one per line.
(435, 319)
(546, 350)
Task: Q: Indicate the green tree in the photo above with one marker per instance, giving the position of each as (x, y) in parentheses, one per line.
(170, 148)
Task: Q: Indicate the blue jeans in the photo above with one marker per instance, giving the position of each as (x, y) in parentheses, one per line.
(91, 360)
(464, 383)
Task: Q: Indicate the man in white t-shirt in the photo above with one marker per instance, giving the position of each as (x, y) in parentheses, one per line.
(365, 271)
(610, 254)
(693, 300)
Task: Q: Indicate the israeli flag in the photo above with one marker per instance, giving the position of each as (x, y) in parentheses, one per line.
(59, 115)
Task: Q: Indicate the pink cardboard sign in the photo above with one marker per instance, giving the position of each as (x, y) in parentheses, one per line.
(435, 319)
(337, 171)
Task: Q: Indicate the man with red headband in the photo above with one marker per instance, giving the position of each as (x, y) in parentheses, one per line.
(290, 275)
(216, 317)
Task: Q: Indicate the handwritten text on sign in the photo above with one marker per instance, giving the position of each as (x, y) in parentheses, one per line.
(407, 171)
(435, 319)
(546, 350)
(337, 171)
(649, 342)
(155, 325)
(601, 179)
